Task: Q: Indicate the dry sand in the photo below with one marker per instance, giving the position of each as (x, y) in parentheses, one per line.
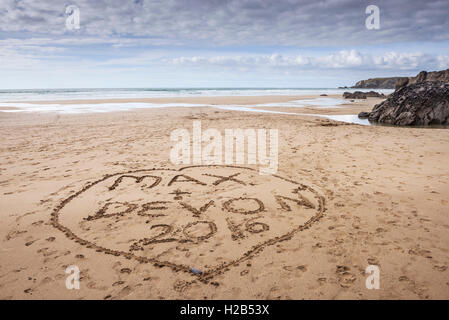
(98, 191)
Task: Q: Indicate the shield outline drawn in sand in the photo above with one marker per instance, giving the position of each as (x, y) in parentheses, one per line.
(209, 273)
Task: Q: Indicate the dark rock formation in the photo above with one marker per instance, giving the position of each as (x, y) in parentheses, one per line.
(323, 95)
(423, 103)
(425, 76)
(362, 95)
(364, 115)
(378, 83)
(355, 95)
(399, 82)
(375, 94)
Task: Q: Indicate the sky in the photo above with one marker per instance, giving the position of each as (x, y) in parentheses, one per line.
(217, 43)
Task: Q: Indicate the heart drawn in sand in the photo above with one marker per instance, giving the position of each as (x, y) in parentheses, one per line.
(206, 218)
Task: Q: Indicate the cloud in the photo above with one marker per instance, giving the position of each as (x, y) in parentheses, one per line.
(251, 41)
(443, 62)
(38, 53)
(234, 22)
(345, 59)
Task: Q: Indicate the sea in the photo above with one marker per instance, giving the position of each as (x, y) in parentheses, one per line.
(18, 100)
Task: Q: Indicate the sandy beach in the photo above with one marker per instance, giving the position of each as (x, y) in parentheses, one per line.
(98, 191)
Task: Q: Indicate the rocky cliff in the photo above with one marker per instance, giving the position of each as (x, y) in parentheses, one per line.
(399, 82)
(423, 76)
(378, 83)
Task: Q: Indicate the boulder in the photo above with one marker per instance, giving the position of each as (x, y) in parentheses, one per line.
(418, 104)
(355, 95)
(364, 115)
(362, 95)
(375, 94)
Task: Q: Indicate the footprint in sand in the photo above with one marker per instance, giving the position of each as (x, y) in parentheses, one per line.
(345, 277)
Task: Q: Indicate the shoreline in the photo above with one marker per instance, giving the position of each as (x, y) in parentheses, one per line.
(192, 100)
(288, 104)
